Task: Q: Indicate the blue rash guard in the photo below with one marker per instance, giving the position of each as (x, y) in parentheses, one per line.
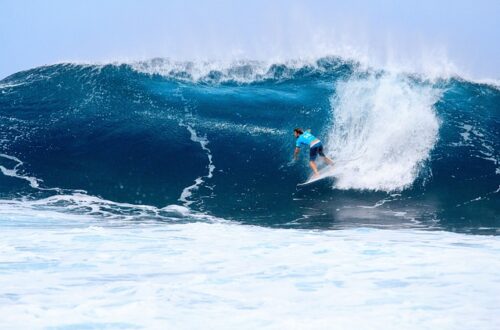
(317, 149)
(305, 138)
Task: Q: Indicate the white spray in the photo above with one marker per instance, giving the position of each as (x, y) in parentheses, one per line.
(384, 128)
(187, 192)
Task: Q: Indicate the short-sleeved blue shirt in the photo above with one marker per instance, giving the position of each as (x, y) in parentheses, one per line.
(306, 138)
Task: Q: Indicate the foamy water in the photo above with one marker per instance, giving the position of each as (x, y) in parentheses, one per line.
(69, 271)
(383, 130)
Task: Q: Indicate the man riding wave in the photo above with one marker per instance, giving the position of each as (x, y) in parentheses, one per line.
(315, 148)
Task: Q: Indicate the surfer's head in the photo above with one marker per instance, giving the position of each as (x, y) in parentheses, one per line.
(298, 132)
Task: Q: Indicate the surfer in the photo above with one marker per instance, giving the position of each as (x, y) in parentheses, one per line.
(315, 148)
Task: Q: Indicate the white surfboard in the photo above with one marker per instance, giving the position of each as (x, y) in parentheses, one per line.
(323, 173)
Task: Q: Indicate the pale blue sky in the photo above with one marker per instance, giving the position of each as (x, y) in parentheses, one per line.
(421, 34)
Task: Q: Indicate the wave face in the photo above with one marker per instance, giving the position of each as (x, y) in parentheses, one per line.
(217, 139)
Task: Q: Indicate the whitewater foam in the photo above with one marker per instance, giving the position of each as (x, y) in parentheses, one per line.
(387, 126)
(158, 275)
(34, 182)
(78, 202)
(188, 191)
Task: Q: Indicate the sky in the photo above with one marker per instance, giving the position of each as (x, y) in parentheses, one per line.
(436, 37)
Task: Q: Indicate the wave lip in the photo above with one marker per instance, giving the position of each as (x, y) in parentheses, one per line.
(240, 71)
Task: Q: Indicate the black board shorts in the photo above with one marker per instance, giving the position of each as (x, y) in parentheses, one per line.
(316, 150)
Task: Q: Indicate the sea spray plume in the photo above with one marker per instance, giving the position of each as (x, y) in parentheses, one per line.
(240, 71)
(387, 126)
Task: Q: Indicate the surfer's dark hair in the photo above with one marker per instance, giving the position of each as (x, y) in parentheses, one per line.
(299, 131)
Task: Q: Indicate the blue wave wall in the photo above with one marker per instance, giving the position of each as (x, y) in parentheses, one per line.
(219, 140)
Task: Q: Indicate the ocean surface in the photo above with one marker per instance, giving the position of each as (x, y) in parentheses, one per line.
(162, 194)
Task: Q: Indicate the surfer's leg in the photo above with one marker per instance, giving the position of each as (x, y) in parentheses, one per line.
(325, 159)
(313, 153)
(314, 167)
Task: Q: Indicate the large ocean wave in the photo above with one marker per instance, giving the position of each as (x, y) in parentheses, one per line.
(163, 139)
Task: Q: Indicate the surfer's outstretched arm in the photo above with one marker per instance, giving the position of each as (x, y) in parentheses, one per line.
(296, 153)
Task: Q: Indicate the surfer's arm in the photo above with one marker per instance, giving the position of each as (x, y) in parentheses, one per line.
(296, 153)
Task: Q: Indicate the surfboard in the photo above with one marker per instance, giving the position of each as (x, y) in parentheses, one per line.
(323, 173)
